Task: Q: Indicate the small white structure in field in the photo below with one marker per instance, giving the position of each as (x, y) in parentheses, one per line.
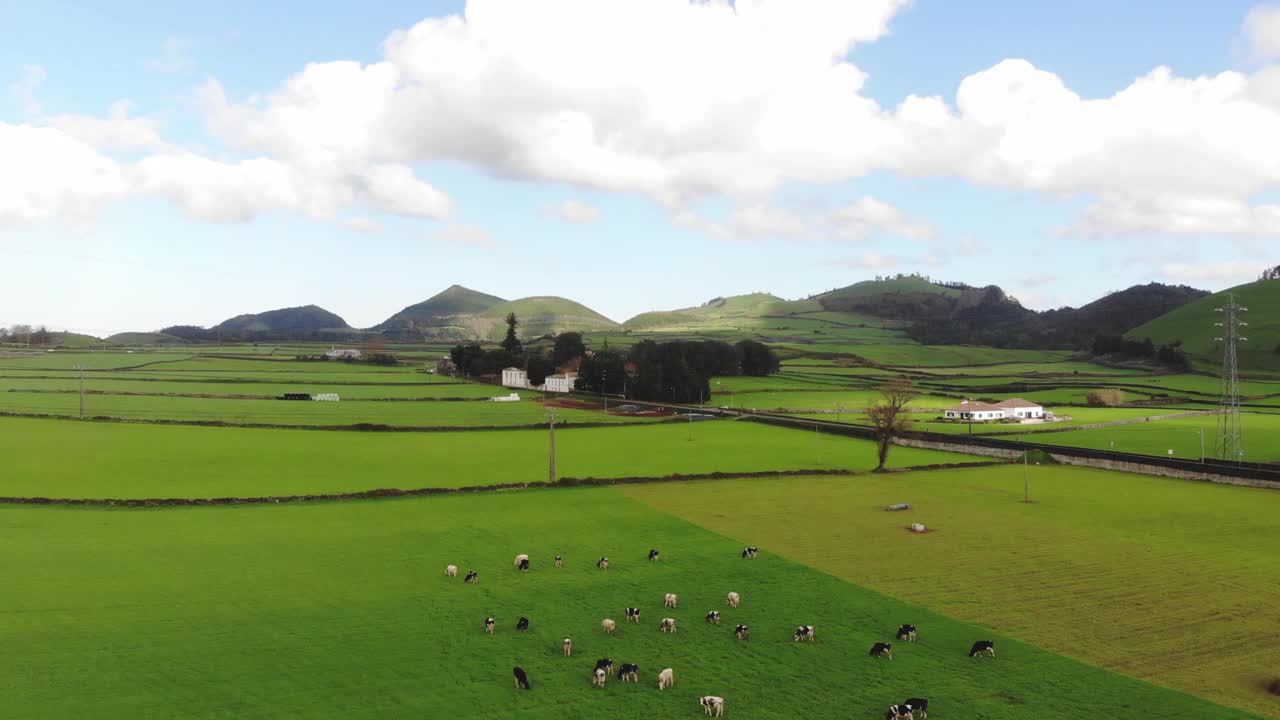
(1019, 409)
(326, 397)
(917, 527)
(560, 383)
(514, 377)
(513, 397)
(343, 353)
(1011, 409)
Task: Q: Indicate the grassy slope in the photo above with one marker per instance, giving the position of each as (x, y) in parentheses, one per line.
(541, 316)
(1182, 435)
(725, 312)
(1134, 573)
(342, 611)
(144, 338)
(870, 288)
(64, 458)
(1193, 324)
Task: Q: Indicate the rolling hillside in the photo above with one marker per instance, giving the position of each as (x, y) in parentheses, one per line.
(442, 316)
(144, 338)
(307, 317)
(540, 315)
(1193, 324)
(721, 313)
(459, 314)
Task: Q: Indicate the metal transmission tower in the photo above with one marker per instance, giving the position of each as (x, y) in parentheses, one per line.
(1229, 444)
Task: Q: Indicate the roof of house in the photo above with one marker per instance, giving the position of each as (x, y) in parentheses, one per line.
(1017, 403)
(974, 407)
(512, 368)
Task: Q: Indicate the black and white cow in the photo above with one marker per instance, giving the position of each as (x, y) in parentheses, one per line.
(633, 615)
(603, 563)
(919, 708)
(898, 712)
(522, 624)
(605, 664)
(668, 625)
(522, 679)
(524, 565)
(713, 617)
(804, 632)
(983, 647)
(750, 551)
(629, 672)
(559, 561)
(599, 677)
(472, 577)
(880, 650)
(712, 705)
(654, 555)
(907, 633)
(743, 632)
(489, 625)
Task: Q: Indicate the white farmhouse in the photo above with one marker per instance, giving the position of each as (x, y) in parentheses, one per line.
(1017, 408)
(514, 377)
(560, 383)
(1011, 409)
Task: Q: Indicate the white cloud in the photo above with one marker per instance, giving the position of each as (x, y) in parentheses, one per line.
(116, 132)
(462, 234)
(362, 224)
(1261, 32)
(1229, 272)
(853, 222)
(394, 189)
(237, 191)
(47, 174)
(575, 212)
(23, 90)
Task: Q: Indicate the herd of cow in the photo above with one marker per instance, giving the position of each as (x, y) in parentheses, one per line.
(712, 705)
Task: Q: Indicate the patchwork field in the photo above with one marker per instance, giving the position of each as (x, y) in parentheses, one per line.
(341, 610)
(1174, 582)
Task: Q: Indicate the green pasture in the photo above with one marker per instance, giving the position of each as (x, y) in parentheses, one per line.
(68, 458)
(855, 400)
(342, 610)
(1076, 415)
(406, 387)
(1182, 435)
(926, 356)
(1172, 581)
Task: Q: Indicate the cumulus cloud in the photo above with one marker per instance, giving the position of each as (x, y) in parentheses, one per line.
(48, 174)
(116, 132)
(23, 90)
(853, 222)
(1261, 32)
(575, 212)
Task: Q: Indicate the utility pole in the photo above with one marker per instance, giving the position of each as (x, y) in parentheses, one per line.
(1026, 477)
(81, 369)
(1229, 444)
(1202, 446)
(551, 435)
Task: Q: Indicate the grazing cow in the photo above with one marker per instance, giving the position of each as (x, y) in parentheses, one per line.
(713, 617)
(568, 647)
(918, 708)
(743, 632)
(472, 577)
(522, 624)
(524, 565)
(805, 632)
(732, 599)
(605, 664)
(603, 563)
(608, 625)
(983, 647)
(521, 558)
(599, 678)
(668, 625)
(712, 705)
(633, 615)
(907, 632)
(451, 571)
(666, 679)
(898, 712)
(671, 600)
(629, 672)
(522, 680)
(880, 650)
(489, 625)
(559, 561)
(750, 552)
(654, 556)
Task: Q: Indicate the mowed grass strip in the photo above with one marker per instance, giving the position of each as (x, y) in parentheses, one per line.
(73, 459)
(1172, 581)
(342, 610)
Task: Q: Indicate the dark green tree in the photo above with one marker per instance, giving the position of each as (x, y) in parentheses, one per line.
(538, 366)
(567, 347)
(511, 343)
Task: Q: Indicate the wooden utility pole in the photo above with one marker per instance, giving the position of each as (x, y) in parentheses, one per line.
(551, 434)
(81, 369)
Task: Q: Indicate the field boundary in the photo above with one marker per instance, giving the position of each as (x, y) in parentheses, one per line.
(385, 493)
(352, 427)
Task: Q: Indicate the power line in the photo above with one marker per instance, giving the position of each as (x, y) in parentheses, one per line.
(1229, 443)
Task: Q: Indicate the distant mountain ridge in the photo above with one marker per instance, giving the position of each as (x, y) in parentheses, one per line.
(461, 314)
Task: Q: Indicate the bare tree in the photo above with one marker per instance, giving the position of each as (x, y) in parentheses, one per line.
(888, 415)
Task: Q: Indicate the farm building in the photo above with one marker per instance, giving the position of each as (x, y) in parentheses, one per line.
(343, 354)
(1011, 409)
(560, 383)
(514, 377)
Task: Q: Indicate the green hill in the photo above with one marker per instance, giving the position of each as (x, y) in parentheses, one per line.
(540, 315)
(73, 340)
(460, 314)
(144, 338)
(440, 317)
(721, 312)
(306, 317)
(1193, 324)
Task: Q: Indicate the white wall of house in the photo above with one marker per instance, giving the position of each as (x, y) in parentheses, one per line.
(560, 383)
(515, 378)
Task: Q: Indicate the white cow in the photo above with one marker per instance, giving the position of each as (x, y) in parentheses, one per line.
(608, 625)
(712, 705)
(671, 600)
(733, 599)
(668, 625)
(568, 647)
(519, 559)
(666, 679)
(451, 571)
(600, 677)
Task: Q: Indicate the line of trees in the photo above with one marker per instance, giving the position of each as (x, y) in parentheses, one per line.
(1171, 355)
(26, 334)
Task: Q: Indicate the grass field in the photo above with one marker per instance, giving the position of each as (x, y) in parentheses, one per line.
(341, 610)
(66, 458)
(1182, 435)
(1171, 581)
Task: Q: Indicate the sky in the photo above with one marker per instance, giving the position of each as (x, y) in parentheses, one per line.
(182, 163)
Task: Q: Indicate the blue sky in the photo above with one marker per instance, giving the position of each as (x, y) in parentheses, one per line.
(1002, 192)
